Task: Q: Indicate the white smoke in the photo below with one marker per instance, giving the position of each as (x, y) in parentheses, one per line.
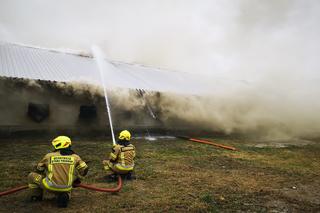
(272, 46)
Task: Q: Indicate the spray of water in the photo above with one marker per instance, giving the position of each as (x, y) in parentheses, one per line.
(102, 65)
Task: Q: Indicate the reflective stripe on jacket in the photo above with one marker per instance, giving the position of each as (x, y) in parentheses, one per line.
(123, 156)
(61, 170)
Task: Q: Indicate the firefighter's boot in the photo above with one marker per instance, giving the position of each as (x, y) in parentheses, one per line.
(36, 195)
(62, 200)
(127, 176)
(34, 182)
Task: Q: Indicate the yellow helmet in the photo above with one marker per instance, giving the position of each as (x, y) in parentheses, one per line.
(61, 142)
(125, 135)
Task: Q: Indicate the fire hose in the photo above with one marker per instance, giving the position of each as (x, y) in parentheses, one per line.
(82, 185)
(13, 190)
(207, 142)
(98, 189)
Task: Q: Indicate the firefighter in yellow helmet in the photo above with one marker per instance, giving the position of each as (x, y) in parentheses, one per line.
(57, 171)
(121, 159)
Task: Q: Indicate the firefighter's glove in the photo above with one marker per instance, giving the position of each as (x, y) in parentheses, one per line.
(76, 183)
(38, 169)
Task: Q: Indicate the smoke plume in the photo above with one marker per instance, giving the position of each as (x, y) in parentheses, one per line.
(264, 54)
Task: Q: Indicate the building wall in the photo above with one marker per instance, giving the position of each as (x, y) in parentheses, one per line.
(64, 108)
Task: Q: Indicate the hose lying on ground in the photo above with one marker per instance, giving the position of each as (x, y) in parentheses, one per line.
(13, 190)
(207, 142)
(82, 185)
(98, 189)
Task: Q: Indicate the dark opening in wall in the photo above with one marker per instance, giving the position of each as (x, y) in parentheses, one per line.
(38, 112)
(88, 112)
(127, 115)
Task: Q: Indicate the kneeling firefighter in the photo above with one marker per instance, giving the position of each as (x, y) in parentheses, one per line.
(57, 171)
(121, 159)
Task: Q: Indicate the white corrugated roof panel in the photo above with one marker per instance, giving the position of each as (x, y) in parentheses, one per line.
(36, 63)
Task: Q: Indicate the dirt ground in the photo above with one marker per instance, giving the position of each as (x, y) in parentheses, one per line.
(174, 175)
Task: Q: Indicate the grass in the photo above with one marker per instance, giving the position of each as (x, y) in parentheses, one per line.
(179, 176)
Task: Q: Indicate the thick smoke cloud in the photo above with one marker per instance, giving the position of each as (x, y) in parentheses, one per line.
(264, 54)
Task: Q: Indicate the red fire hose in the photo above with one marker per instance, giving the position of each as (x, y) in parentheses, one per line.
(82, 185)
(91, 187)
(207, 142)
(10, 191)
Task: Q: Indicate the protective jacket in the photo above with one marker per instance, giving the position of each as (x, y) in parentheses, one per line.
(61, 170)
(122, 158)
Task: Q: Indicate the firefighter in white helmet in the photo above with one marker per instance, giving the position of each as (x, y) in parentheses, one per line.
(121, 159)
(57, 171)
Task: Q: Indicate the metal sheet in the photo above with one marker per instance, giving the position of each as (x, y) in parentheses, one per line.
(36, 63)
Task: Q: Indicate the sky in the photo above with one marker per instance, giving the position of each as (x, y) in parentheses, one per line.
(239, 39)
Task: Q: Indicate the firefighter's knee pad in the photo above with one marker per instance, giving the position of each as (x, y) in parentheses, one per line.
(108, 166)
(34, 178)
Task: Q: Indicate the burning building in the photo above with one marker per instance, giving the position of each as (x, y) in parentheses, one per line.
(48, 92)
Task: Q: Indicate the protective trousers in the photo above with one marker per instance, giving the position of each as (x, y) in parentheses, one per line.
(114, 168)
(36, 185)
